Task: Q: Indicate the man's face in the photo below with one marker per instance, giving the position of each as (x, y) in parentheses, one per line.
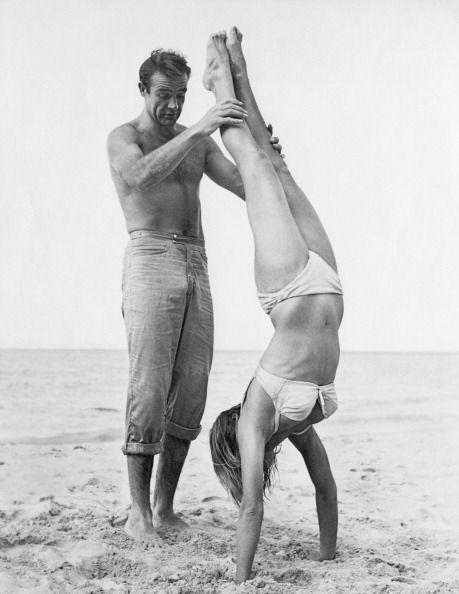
(165, 100)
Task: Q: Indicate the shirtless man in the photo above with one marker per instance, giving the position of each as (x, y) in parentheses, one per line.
(157, 165)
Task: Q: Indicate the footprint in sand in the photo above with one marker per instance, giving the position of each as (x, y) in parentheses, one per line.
(383, 568)
(92, 482)
(217, 521)
(119, 518)
(293, 574)
(90, 558)
(403, 579)
(42, 510)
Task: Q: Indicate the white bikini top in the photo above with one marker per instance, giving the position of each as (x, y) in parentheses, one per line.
(316, 277)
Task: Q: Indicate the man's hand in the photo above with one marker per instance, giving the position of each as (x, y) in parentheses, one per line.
(224, 113)
(274, 140)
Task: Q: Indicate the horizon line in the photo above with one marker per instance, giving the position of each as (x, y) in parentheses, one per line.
(372, 352)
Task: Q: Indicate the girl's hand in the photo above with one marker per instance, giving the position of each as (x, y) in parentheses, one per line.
(274, 140)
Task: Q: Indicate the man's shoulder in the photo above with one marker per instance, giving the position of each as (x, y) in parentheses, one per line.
(127, 132)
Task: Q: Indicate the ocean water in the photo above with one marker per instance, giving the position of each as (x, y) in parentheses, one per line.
(59, 396)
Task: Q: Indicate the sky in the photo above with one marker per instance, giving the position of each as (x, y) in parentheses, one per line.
(364, 96)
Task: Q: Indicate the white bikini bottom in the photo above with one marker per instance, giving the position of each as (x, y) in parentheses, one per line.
(294, 399)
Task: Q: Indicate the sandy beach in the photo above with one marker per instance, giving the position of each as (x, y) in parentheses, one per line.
(393, 453)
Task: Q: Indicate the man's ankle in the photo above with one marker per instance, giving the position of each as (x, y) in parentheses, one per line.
(163, 512)
(141, 512)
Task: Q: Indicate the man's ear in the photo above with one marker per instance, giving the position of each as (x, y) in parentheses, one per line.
(142, 89)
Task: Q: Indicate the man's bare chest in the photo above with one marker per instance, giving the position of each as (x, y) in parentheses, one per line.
(191, 167)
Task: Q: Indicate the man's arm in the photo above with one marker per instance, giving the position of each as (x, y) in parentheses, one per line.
(316, 459)
(145, 171)
(222, 171)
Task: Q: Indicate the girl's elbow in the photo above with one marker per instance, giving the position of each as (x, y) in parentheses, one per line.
(327, 490)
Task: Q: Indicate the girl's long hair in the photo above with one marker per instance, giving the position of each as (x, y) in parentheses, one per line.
(226, 458)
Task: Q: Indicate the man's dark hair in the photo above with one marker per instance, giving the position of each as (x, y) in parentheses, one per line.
(168, 62)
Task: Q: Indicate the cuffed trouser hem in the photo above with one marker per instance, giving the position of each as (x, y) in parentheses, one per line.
(181, 432)
(144, 449)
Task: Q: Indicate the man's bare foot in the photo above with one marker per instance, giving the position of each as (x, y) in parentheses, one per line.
(237, 60)
(139, 527)
(217, 61)
(170, 520)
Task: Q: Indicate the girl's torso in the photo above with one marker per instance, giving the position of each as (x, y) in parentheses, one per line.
(305, 345)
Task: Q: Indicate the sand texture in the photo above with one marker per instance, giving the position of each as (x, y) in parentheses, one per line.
(63, 500)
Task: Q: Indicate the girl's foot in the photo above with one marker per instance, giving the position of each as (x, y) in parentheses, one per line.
(237, 60)
(217, 63)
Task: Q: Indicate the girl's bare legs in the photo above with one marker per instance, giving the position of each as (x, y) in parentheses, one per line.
(305, 216)
(280, 251)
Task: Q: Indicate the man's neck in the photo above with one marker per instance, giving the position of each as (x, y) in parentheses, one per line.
(151, 126)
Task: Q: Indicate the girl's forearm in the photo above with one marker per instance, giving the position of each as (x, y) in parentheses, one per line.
(248, 534)
(327, 512)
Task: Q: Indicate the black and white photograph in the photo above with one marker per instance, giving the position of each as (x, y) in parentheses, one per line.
(229, 358)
